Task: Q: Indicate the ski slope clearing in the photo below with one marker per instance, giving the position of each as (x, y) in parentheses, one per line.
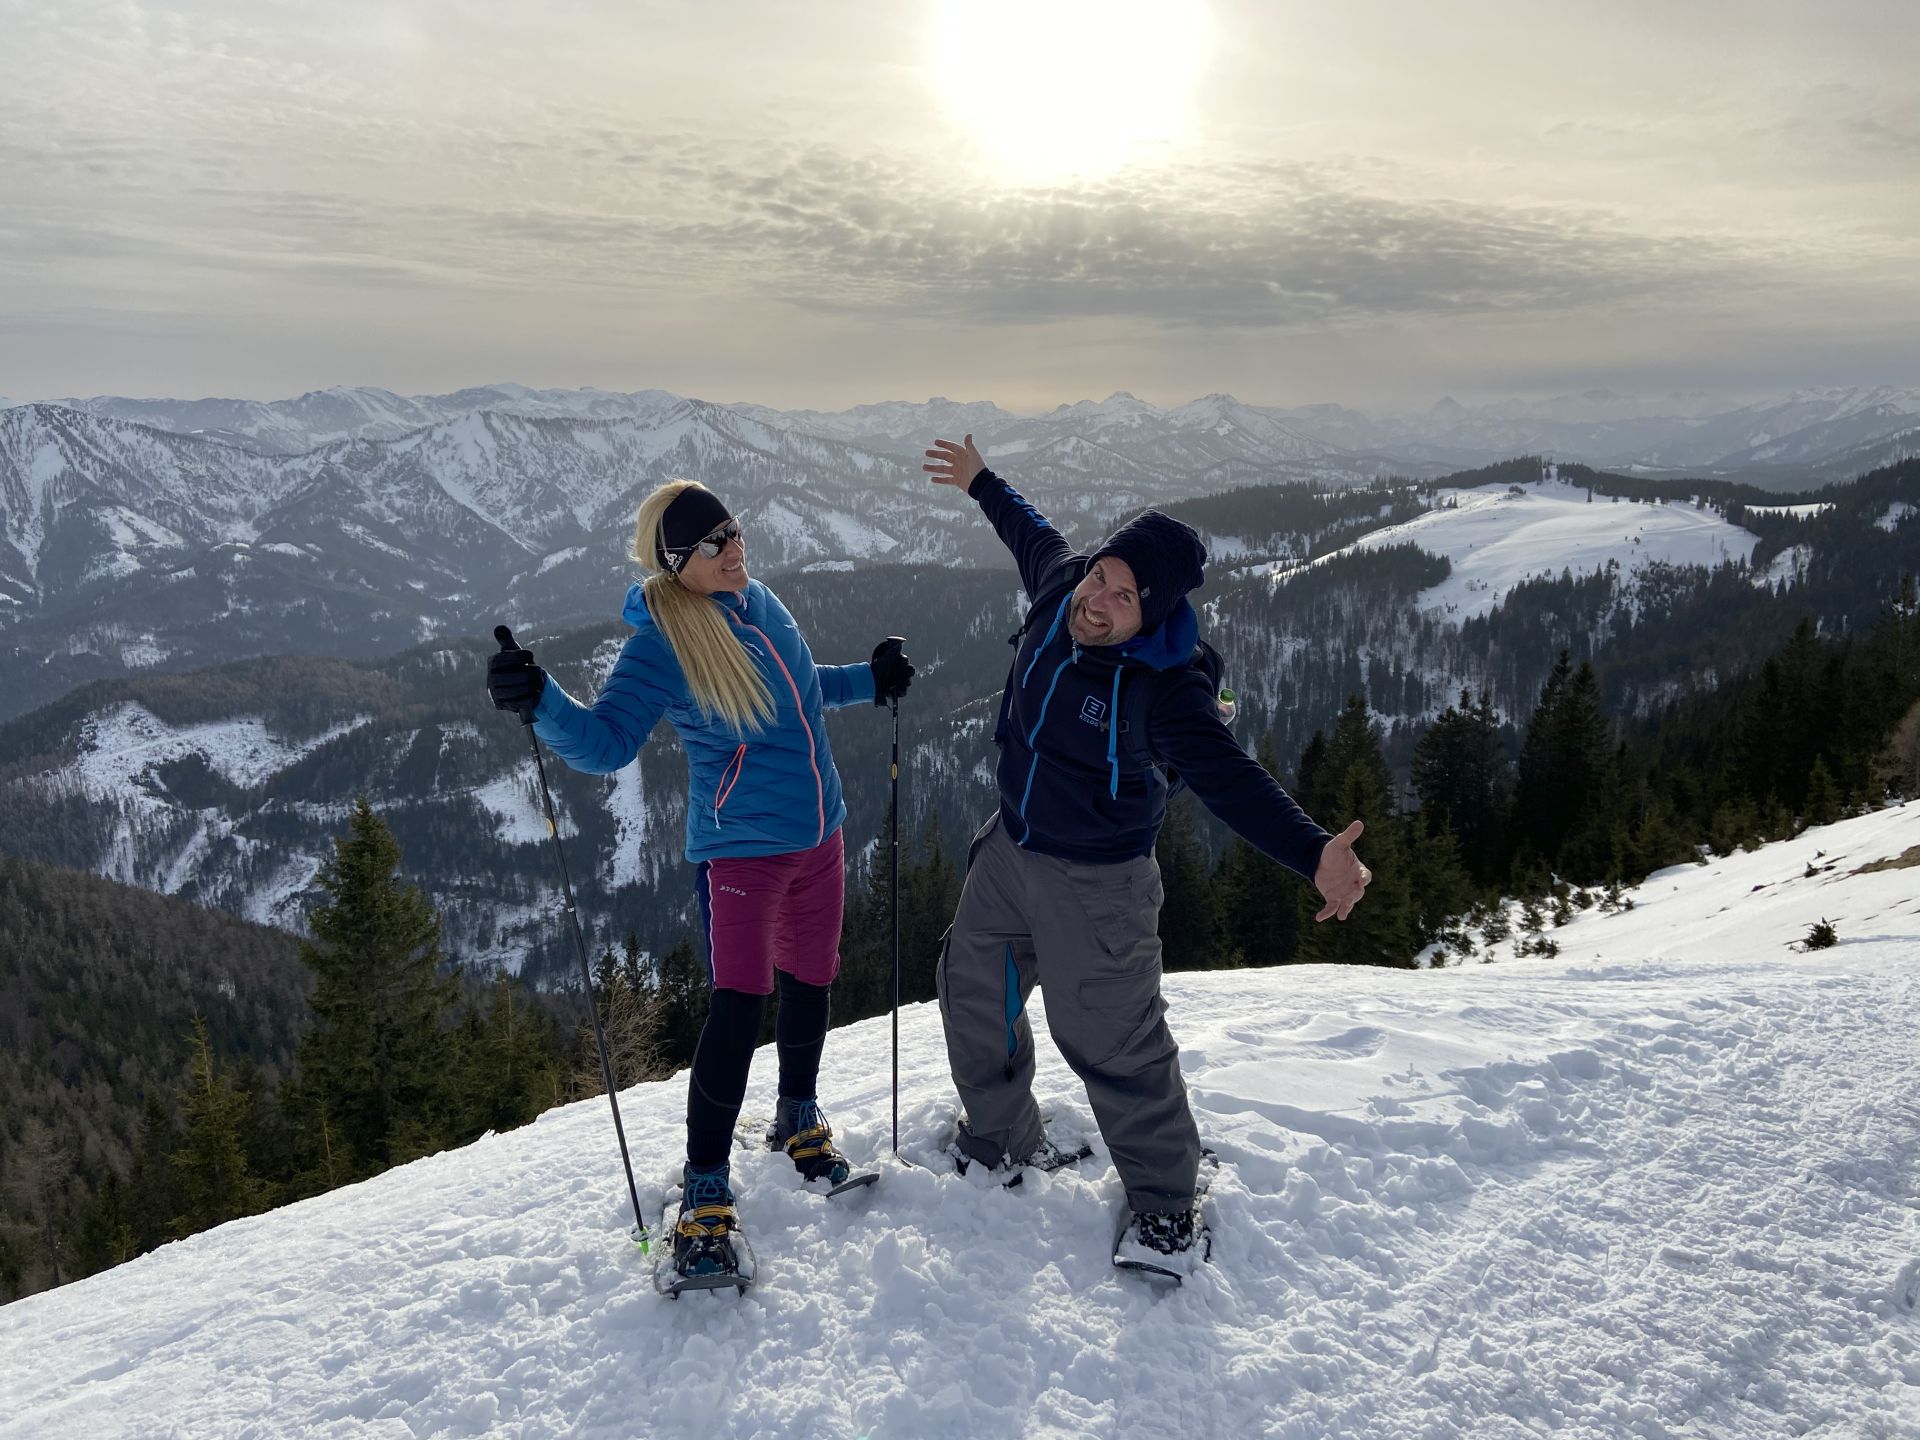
(1662, 1185)
(1498, 536)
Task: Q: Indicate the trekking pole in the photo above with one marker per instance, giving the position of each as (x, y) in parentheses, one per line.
(895, 642)
(639, 1233)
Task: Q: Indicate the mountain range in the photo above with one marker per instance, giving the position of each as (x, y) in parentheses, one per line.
(356, 522)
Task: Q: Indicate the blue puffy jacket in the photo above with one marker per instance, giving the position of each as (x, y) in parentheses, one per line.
(767, 792)
(1069, 786)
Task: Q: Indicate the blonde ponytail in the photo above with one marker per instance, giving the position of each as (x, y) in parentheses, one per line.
(725, 682)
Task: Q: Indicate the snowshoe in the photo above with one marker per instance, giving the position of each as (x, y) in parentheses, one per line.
(1167, 1245)
(1048, 1156)
(704, 1235)
(801, 1129)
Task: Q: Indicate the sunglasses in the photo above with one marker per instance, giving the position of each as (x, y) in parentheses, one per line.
(709, 547)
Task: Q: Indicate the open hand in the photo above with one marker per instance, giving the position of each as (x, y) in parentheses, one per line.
(956, 465)
(1341, 879)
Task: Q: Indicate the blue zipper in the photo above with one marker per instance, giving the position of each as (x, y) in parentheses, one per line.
(1034, 764)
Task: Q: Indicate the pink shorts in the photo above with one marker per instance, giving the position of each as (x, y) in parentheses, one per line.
(767, 912)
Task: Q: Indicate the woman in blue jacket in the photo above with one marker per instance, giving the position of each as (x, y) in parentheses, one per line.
(717, 654)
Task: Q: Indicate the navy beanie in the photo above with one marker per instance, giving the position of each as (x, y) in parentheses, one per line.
(1167, 560)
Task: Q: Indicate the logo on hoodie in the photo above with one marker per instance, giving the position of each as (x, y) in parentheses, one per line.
(1094, 711)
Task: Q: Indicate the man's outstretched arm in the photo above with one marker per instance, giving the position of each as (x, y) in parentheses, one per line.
(1037, 547)
(1187, 734)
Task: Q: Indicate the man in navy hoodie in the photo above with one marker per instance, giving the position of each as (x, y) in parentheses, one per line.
(1062, 888)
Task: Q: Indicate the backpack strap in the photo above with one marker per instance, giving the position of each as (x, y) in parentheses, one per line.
(1137, 700)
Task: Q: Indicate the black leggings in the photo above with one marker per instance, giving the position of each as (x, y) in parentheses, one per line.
(718, 1083)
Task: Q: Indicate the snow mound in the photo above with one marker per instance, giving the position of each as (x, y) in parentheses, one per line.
(1662, 1184)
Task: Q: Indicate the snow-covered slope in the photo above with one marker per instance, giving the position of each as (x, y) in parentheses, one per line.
(1497, 536)
(1660, 1186)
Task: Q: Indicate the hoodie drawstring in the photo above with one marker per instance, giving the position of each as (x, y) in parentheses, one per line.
(1113, 734)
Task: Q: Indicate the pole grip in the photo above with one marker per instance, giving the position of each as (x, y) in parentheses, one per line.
(504, 637)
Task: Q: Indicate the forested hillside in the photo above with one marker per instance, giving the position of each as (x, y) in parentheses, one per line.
(100, 985)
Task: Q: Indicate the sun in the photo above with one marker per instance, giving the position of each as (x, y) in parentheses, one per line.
(1054, 90)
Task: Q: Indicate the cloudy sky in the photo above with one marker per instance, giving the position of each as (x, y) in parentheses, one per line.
(811, 202)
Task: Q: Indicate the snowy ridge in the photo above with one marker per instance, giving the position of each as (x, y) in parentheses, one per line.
(1496, 537)
(122, 745)
(1661, 1185)
(155, 841)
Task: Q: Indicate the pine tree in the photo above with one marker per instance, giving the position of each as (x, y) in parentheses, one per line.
(929, 896)
(103, 1235)
(1461, 774)
(1382, 928)
(1189, 916)
(865, 984)
(377, 1054)
(38, 1171)
(1562, 803)
(216, 1184)
(154, 1192)
(509, 1061)
(1823, 798)
(684, 990)
(1259, 906)
(605, 970)
(632, 971)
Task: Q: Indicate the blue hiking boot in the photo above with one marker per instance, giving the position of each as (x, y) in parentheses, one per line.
(703, 1231)
(800, 1129)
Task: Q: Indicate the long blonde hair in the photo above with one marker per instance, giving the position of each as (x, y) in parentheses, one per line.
(721, 675)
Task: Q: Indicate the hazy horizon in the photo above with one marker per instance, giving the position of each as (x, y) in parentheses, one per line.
(1467, 400)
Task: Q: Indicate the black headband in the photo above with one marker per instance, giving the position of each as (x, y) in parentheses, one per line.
(694, 514)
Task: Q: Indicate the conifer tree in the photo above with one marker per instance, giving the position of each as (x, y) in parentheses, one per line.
(377, 1054)
(929, 895)
(509, 1061)
(684, 990)
(1259, 909)
(154, 1193)
(1189, 915)
(1565, 765)
(103, 1236)
(216, 1183)
(632, 971)
(1382, 928)
(1823, 798)
(1462, 778)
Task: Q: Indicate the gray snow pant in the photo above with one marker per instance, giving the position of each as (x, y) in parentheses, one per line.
(1088, 935)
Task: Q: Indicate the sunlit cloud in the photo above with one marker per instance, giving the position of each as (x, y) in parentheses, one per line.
(928, 182)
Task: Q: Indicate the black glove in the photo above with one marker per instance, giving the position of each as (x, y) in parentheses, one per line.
(892, 671)
(514, 682)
